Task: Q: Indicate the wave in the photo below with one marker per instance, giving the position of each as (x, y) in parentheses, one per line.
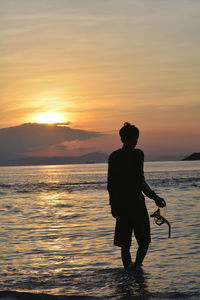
(12, 295)
(175, 182)
(17, 295)
(52, 186)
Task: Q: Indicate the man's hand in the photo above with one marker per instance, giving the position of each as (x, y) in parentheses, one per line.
(160, 202)
(114, 212)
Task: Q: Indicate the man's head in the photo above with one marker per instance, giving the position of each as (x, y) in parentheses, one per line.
(129, 134)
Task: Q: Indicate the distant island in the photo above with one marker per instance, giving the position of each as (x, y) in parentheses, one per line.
(193, 156)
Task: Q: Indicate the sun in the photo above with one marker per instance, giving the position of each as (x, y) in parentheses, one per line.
(50, 118)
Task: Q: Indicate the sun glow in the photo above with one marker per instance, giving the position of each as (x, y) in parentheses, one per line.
(50, 118)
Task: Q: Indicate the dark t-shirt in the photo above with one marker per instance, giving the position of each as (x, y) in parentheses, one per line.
(125, 180)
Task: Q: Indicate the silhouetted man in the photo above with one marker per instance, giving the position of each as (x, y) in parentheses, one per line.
(126, 185)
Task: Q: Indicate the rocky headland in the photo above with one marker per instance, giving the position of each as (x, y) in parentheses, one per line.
(193, 156)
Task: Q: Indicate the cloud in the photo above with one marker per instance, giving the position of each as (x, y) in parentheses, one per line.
(27, 137)
(62, 124)
(61, 147)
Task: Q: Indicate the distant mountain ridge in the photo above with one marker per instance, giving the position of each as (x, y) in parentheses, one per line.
(94, 157)
(193, 156)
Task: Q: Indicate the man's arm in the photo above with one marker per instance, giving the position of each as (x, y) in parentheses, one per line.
(111, 187)
(160, 202)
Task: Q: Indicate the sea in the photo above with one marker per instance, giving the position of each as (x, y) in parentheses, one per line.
(56, 234)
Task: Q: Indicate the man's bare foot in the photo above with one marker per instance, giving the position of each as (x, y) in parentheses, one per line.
(132, 268)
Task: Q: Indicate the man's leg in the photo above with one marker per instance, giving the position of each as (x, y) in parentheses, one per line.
(122, 239)
(142, 235)
(141, 253)
(126, 256)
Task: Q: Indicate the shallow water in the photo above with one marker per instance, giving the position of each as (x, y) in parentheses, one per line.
(57, 233)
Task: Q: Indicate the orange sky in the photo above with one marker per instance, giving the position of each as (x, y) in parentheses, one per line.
(101, 63)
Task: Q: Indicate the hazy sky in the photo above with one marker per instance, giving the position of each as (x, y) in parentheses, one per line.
(99, 63)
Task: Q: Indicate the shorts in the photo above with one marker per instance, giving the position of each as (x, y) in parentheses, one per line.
(137, 223)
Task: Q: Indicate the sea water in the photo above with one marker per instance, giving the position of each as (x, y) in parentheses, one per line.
(56, 233)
